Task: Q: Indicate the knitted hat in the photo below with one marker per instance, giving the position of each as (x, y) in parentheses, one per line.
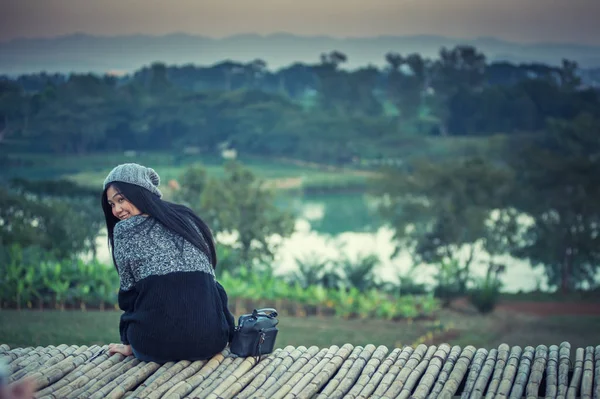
(135, 174)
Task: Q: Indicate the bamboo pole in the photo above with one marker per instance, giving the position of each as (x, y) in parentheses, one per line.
(354, 372)
(161, 370)
(17, 353)
(160, 376)
(433, 370)
(392, 372)
(458, 372)
(577, 372)
(503, 353)
(86, 355)
(588, 373)
(324, 372)
(597, 373)
(240, 383)
(283, 373)
(537, 372)
(352, 361)
(375, 368)
(117, 360)
(47, 377)
(278, 371)
(552, 373)
(77, 377)
(192, 376)
(112, 365)
(421, 355)
(210, 377)
(35, 355)
(177, 387)
(478, 360)
(445, 373)
(291, 378)
(509, 373)
(518, 387)
(126, 365)
(33, 359)
(102, 388)
(86, 375)
(245, 365)
(564, 356)
(297, 382)
(209, 384)
(420, 352)
(484, 375)
(128, 381)
(280, 365)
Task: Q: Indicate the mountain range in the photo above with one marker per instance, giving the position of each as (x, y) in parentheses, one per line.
(123, 54)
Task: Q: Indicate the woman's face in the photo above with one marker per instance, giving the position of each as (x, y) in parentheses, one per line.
(121, 208)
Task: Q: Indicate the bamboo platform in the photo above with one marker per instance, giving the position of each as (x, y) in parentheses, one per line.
(423, 372)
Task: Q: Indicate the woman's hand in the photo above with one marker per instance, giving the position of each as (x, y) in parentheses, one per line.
(124, 350)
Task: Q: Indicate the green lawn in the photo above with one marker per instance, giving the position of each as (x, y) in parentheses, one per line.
(32, 328)
(90, 170)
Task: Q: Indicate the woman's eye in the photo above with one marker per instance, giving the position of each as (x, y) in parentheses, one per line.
(121, 200)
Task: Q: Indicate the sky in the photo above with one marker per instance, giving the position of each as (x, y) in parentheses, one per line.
(526, 21)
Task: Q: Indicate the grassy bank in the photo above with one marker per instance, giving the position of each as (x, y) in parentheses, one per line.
(32, 328)
(283, 173)
(90, 170)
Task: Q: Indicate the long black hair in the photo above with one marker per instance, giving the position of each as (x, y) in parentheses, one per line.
(175, 217)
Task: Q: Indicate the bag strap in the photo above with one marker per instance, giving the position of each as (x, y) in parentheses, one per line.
(261, 339)
(273, 313)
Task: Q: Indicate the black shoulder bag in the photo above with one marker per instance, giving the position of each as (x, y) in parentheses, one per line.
(256, 333)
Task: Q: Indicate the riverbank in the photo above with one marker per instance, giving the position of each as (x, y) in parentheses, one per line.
(512, 324)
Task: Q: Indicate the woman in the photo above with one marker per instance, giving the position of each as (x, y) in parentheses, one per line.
(174, 309)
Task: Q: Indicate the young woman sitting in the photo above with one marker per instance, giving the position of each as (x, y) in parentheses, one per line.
(174, 308)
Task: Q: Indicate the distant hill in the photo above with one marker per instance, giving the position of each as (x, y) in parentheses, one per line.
(99, 54)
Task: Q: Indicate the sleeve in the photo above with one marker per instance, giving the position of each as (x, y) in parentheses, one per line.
(228, 316)
(127, 292)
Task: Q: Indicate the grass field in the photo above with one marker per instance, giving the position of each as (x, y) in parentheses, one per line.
(464, 327)
(90, 170)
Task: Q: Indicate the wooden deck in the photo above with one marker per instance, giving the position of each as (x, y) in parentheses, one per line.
(557, 371)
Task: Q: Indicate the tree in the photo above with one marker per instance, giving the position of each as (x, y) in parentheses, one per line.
(57, 216)
(406, 83)
(442, 211)
(559, 188)
(239, 204)
(461, 68)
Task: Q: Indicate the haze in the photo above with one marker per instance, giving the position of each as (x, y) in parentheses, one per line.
(527, 21)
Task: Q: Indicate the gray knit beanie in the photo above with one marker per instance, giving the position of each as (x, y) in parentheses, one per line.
(135, 174)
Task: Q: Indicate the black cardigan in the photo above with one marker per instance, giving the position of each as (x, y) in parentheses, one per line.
(174, 309)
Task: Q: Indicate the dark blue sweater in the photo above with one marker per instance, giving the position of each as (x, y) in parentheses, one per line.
(174, 309)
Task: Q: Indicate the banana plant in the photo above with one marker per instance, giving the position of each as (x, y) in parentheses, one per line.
(367, 303)
(345, 302)
(406, 308)
(56, 281)
(12, 271)
(316, 295)
(82, 283)
(386, 310)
